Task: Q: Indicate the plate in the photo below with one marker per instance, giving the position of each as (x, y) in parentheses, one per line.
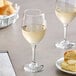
(58, 65)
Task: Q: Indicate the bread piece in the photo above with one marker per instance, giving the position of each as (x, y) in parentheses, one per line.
(6, 7)
(1, 3)
(3, 10)
(70, 55)
(10, 10)
(69, 67)
(7, 2)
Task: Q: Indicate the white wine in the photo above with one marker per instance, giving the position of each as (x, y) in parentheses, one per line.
(65, 17)
(33, 36)
(67, 14)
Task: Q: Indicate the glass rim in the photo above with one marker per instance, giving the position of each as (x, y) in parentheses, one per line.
(40, 12)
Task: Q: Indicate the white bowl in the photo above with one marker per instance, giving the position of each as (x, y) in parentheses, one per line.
(11, 19)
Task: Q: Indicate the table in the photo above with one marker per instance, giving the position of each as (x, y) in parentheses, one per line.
(11, 40)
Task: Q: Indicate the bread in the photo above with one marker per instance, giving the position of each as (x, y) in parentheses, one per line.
(7, 8)
(69, 62)
(69, 55)
(3, 10)
(1, 3)
(10, 10)
(69, 67)
(7, 2)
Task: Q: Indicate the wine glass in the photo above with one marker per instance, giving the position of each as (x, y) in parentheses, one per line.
(65, 11)
(33, 30)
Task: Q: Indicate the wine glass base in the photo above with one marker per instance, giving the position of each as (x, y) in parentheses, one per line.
(65, 45)
(33, 67)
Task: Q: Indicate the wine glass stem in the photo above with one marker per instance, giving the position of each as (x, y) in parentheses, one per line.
(65, 32)
(34, 53)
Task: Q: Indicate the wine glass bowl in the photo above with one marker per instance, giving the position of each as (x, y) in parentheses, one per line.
(35, 35)
(65, 11)
(33, 30)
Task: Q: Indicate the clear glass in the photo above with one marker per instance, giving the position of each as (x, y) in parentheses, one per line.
(65, 11)
(33, 30)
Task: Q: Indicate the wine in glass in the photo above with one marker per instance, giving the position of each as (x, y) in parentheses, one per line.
(33, 30)
(65, 11)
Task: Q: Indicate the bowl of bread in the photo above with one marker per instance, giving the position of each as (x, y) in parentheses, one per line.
(8, 13)
(68, 62)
